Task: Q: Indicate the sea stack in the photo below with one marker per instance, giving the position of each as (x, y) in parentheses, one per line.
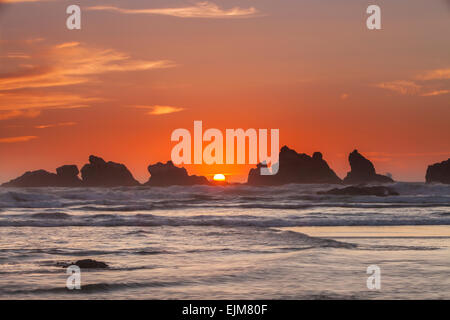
(363, 171)
(169, 175)
(296, 168)
(99, 173)
(439, 172)
(66, 176)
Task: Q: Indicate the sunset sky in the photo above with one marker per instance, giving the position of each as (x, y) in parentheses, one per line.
(137, 70)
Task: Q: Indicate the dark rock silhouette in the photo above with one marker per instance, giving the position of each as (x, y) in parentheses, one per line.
(84, 264)
(91, 264)
(439, 172)
(378, 191)
(99, 173)
(66, 176)
(295, 168)
(168, 175)
(363, 171)
(69, 174)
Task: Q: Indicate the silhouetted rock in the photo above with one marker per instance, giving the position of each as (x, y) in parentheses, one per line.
(99, 173)
(439, 172)
(91, 264)
(378, 191)
(66, 176)
(295, 168)
(38, 178)
(363, 171)
(168, 175)
(84, 264)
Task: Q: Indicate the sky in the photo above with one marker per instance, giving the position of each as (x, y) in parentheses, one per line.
(137, 70)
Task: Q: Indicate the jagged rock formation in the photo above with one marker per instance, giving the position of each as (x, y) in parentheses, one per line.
(69, 174)
(99, 173)
(378, 191)
(363, 171)
(66, 176)
(439, 172)
(168, 175)
(295, 168)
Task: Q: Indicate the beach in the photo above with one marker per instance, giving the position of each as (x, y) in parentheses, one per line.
(235, 242)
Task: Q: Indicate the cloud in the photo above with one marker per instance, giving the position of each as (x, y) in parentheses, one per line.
(20, 1)
(24, 89)
(437, 74)
(13, 114)
(17, 139)
(24, 101)
(435, 93)
(401, 86)
(427, 84)
(203, 9)
(159, 110)
(60, 124)
(72, 63)
(17, 56)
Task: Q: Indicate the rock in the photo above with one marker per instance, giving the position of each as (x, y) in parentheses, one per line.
(66, 176)
(439, 172)
(295, 168)
(38, 178)
(84, 264)
(378, 191)
(99, 173)
(168, 175)
(91, 264)
(363, 171)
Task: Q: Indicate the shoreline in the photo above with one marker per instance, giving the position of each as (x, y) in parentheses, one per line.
(417, 231)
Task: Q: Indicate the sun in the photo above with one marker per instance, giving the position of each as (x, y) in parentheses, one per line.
(219, 177)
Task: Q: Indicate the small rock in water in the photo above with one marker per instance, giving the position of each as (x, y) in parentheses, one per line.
(84, 264)
(378, 191)
(91, 264)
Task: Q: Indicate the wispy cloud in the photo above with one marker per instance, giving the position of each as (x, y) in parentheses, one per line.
(13, 114)
(16, 56)
(159, 110)
(73, 63)
(19, 1)
(60, 124)
(401, 86)
(435, 93)
(427, 84)
(17, 139)
(25, 89)
(24, 101)
(437, 74)
(203, 9)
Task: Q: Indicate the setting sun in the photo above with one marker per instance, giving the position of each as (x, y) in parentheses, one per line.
(219, 177)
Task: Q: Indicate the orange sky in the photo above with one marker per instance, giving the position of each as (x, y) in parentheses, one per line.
(137, 70)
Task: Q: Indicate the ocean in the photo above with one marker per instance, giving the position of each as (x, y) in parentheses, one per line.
(234, 242)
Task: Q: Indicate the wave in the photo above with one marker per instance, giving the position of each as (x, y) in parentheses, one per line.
(234, 206)
(162, 197)
(51, 215)
(264, 221)
(91, 288)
